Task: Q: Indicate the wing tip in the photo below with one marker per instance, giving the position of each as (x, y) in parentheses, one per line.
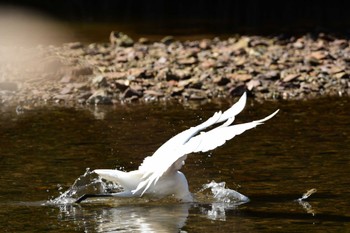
(268, 117)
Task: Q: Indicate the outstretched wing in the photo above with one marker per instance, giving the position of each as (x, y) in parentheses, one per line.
(218, 136)
(171, 155)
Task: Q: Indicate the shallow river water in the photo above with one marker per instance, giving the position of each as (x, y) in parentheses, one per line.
(306, 146)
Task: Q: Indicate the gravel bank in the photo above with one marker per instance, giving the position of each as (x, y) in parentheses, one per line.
(124, 70)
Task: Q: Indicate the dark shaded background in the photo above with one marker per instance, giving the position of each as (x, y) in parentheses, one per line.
(222, 16)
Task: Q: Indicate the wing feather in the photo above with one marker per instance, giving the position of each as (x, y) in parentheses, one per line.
(218, 136)
(171, 155)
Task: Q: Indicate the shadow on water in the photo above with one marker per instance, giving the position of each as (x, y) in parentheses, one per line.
(305, 146)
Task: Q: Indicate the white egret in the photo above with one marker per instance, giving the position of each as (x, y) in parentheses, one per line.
(159, 175)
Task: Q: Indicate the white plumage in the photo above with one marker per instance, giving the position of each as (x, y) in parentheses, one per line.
(159, 174)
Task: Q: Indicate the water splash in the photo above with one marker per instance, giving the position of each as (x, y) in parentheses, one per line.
(221, 199)
(225, 195)
(89, 182)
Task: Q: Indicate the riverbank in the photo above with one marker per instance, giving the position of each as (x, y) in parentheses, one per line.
(125, 70)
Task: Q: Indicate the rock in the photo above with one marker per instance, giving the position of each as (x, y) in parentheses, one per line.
(66, 90)
(75, 45)
(240, 77)
(340, 43)
(298, 44)
(273, 75)
(240, 61)
(66, 79)
(177, 91)
(312, 61)
(182, 73)
(183, 83)
(83, 97)
(204, 44)
(336, 69)
(319, 55)
(341, 75)
(171, 77)
(52, 64)
(153, 93)
(61, 97)
(187, 61)
(99, 97)
(167, 40)
(122, 85)
(209, 63)
(120, 39)
(194, 94)
(130, 92)
(136, 72)
(253, 84)
(242, 43)
(222, 81)
(99, 81)
(238, 90)
(290, 77)
(144, 40)
(80, 86)
(82, 71)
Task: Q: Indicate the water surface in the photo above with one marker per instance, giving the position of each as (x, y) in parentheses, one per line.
(307, 145)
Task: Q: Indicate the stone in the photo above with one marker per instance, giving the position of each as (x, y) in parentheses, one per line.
(61, 97)
(120, 39)
(99, 97)
(298, 44)
(130, 92)
(312, 61)
(290, 77)
(204, 44)
(222, 81)
(273, 75)
(253, 84)
(187, 61)
(341, 75)
(99, 81)
(177, 91)
(82, 71)
(66, 90)
(238, 90)
(143, 40)
(75, 45)
(66, 79)
(167, 40)
(319, 55)
(242, 43)
(121, 85)
(194, 94)
(169, 76)
(153, 93)
(240, 77)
